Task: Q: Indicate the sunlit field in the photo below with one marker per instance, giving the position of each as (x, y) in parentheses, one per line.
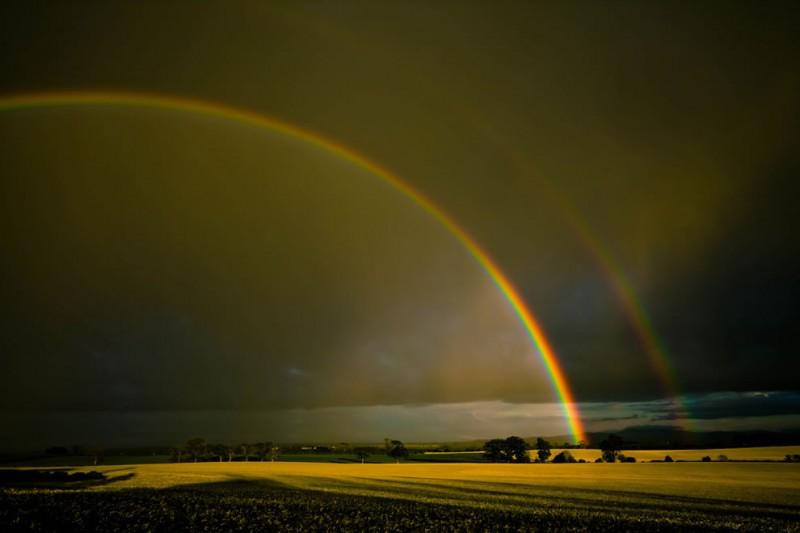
(750, 496)
(763, 453)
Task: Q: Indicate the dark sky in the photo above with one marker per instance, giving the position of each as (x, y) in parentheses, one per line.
(160, 262)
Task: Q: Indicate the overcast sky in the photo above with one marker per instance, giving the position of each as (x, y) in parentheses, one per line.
(185, 270)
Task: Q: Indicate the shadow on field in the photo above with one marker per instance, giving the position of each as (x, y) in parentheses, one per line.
(527, 498)
(480, 491)
(358, 504)
(249, 505)
(483, 489)
(238, 485)
(59, 478)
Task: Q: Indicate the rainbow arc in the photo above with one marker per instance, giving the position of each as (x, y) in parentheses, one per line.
(526, 317)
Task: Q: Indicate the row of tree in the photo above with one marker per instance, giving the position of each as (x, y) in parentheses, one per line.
(515, 450)
(197, 449)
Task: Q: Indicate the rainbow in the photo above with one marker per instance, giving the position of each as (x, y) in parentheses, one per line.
(212, 109)
(624, 292)
(634, 310)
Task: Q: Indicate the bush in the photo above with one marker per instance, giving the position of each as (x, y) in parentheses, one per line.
(628, 460)
(564, 457)
(722, 458)
(668, 459)
(598, 460)
(706, 459)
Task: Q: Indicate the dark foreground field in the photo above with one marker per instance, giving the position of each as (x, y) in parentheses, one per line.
(250, 506)
(305, 498)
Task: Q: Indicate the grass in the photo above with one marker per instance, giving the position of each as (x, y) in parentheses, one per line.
(302, 496)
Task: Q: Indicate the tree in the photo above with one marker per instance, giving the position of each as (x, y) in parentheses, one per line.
(398, 451)
(512, 449)
(668, 459)
(219, 450)
(262, 449)
(362, 454)
(494, 450)
(543, 450)
(196, 447)
(611, 447)
(245, 448)
(517, 450)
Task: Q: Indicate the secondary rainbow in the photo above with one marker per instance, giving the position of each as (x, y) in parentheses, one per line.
(625, 294)
(224, 111)
(637, 314)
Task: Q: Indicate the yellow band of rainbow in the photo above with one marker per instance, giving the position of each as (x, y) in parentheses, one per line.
(223, 111)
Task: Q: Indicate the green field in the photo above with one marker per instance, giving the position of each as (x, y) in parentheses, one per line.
(319, 496)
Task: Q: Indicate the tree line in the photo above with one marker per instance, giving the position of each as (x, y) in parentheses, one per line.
(516, 450)
(198, 450)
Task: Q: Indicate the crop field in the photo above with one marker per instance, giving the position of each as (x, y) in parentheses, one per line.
(397, 497)
(764, 453)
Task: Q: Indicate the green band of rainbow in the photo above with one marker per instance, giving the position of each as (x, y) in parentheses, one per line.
(526, 317)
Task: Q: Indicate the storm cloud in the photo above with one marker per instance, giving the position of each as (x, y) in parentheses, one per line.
(160, 261)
